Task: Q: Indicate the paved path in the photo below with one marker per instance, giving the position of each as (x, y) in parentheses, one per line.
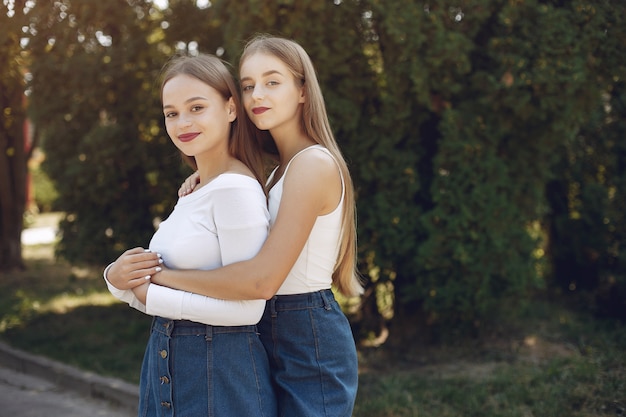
(23, 395)
(39, 235)
(33, 386)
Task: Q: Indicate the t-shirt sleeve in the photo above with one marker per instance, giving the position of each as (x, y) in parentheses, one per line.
(182, 305)
(242, 222)
(242, 225)
(127, 296)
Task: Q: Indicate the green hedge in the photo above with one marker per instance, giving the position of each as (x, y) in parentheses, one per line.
(484, 139)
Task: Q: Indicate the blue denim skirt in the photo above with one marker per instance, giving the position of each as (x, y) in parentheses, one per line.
(191, 369)
(312, 355)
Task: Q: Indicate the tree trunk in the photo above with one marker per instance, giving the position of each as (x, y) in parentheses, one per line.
(12, 200)
(15, 144)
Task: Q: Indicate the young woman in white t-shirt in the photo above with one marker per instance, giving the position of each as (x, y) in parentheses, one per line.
(204, 356)
(311, 245)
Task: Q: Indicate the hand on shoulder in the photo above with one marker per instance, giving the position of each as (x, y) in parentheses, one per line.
(189, 184)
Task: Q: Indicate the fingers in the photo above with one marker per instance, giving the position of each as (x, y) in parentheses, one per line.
(135, 272)
(141, 265)
(133, 283)
(185, 188)
(134, 267)
(189, 185)
(137, 255)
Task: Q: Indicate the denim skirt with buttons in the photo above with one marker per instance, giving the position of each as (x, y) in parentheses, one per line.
(312, 355)
(191, 369)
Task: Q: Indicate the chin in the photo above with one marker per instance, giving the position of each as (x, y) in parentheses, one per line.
(263, 126)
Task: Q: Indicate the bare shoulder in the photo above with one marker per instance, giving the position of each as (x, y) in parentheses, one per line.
(315, 163)
(314, 178)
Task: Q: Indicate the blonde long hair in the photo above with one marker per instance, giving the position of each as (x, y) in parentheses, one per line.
(214, 72)
(316, 126)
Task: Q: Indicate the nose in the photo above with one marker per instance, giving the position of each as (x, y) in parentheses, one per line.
(185, 120)
(257, 93)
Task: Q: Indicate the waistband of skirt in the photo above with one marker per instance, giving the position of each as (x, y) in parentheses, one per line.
(187, 327)
(322, 298)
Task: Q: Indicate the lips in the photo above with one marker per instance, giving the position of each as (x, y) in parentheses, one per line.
(187, 137)
(259, 110)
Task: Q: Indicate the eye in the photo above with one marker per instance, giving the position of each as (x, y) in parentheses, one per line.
(247, 87)
(196, 108)
(273, 82)
(170, 114)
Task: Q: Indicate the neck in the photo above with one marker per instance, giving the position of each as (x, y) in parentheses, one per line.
(289, 142)
(210, 166)
(290, 138)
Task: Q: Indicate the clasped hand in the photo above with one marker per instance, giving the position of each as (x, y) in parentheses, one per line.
(133, 268)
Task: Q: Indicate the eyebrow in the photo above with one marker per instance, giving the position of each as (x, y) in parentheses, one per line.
(167, 106)
(265, 74)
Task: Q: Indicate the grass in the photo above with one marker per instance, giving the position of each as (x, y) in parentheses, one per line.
(555, 363)
(67, 314)
(560, 387)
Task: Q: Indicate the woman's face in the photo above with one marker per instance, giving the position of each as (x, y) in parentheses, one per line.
(271, 96)
(197, 117)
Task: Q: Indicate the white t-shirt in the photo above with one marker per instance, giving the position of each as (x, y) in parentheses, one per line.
(223, 222)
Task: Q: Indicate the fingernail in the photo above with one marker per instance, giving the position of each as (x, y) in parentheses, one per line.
(158, 269)
(146, 250)
(147, 277)
(161, 260)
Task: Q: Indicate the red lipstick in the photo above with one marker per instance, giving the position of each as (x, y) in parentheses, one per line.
(187, 137)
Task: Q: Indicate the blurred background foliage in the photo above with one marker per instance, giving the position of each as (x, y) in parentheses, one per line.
(486, 138)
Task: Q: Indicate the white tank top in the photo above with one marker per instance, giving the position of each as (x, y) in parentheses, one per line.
(314, 268)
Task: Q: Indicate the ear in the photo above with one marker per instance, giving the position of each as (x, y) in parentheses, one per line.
(232, 110)
(302, 98)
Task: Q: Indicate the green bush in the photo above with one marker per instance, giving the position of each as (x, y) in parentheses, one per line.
(45, 193)
(467, 130)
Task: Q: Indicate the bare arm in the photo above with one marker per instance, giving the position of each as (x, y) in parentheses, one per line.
(312, 187)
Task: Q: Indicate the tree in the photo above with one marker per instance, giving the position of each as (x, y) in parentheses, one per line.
(477, 100)
(13, 143)
(465, 127)
(586, 222)
(95, 101)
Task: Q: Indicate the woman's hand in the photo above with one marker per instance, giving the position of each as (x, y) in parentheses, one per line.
(189, 185)
(133, 268)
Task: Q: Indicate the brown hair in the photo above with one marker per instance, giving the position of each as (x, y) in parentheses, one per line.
(315, 124)
(214, 72)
